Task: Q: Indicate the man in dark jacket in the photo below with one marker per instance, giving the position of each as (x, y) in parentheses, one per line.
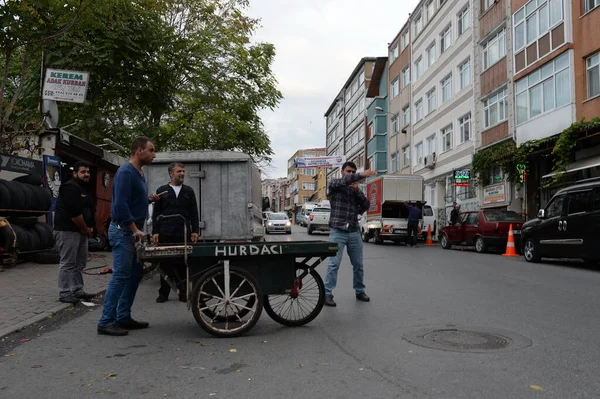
(414, 216)
(454, 213)
(73, 224)
(177, 199)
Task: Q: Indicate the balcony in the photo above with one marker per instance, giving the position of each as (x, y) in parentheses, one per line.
(377, 143)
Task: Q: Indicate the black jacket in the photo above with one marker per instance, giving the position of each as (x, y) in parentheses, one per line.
(454, 216)
(74, 199)
(169, 204)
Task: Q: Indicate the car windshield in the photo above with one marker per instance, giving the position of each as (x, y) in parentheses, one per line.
(278, 216)
(502, 216)
(427, 211)
(327, 210)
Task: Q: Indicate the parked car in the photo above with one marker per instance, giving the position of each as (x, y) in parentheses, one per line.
(569, 226)
(429, 219)
(318, 220)
(483, 229)
(278, 222)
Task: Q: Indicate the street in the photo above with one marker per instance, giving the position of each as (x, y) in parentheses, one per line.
(543, 320)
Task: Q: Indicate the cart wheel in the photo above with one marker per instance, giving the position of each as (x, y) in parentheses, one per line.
(302, 304)
(222, 316)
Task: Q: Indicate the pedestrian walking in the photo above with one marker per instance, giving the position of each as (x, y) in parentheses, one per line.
(414, 216)
(347, 203)
(178, 199)
(129, 209)
(73, 224)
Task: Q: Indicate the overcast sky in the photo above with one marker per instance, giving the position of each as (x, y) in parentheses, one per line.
(318, 43)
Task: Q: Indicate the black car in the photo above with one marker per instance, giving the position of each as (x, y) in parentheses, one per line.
(569, 226)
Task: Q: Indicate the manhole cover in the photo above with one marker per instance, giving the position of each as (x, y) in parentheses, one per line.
(467, 339)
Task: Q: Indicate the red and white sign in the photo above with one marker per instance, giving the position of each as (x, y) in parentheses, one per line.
(374, 195)
(320, 162)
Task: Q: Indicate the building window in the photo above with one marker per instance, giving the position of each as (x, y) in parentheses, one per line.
(544, 89)
(430, 101)
(305, 199)
(308, 186)
(395, 124)
(404, 40)
(467, 192)
(431, 192)
(447, 138)
(496, 174)
(464, 70)
(464, 20)
(309, 171)
(487, 4)
(534, 20)
(464, 124)
(494, 49)
(418, 24)
(446, 88)
(406, 115)
(591, 4)
(418, 110)
(593, 75)
(430, 144)
(419, 68)
(446, 39)
(406, 156)
(431, 54)
(419, 154)
(495, 109)
(405, 76)
(430, 10)
(394, 162)
(395, 88)
(394, 53)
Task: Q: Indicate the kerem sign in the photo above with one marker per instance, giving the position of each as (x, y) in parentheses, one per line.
(68, 86)
(462, 177)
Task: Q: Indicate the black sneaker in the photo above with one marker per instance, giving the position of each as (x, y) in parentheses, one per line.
(69, 299)
(133, 324)
(329, 301)
(161, 299)
(112, 330)
(84, 296)
(363, 297)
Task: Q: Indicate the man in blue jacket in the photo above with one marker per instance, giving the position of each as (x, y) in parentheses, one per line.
(414, 216)
(128, 212)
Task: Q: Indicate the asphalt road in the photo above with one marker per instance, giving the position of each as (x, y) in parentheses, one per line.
(547, 314)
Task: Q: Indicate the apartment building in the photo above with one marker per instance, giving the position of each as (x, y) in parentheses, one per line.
(320, 179)
(346, 118)
(377, 118)
(274, 189)
(399, 98)
(302, 185)
(442, 101)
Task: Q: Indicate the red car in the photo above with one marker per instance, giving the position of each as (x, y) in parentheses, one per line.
(483, 229)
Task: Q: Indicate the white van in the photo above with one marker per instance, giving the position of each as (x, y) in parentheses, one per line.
(429, 219)
(307, 209)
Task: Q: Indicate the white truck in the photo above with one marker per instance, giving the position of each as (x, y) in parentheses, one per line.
(387, 217)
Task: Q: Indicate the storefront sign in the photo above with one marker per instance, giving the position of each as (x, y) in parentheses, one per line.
(69, 86)
(13, 163)
(320, 162)
(495, 194)
(462, 177)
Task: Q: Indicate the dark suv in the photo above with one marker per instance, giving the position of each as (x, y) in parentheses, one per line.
(569, 226)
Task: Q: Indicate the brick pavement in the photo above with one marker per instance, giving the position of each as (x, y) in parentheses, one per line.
(29, 291)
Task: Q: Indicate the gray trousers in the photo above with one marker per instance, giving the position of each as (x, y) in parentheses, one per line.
(72, 247)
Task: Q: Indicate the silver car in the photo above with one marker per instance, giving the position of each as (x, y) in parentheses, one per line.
(278, 222)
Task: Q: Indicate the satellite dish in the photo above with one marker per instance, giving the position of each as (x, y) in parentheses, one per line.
(50, 112)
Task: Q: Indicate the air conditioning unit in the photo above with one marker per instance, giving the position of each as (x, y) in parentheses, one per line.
(430, 161)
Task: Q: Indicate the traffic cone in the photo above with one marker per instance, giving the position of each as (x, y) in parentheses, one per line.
(429, 240)
(510, 244)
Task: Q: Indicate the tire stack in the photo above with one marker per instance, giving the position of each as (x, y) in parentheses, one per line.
(22, 201)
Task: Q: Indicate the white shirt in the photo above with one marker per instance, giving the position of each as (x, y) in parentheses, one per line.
(177, 189)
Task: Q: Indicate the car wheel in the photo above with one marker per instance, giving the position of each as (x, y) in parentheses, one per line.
(445, 242)
(309, 231)
(377, 238)
(530, 251)
(480, 246)
(365, 236)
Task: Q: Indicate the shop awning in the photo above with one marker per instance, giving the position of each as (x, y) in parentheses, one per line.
(579, 165)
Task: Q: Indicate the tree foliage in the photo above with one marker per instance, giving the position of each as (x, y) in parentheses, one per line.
(183, 72)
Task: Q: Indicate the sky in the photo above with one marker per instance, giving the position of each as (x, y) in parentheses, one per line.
(318, 44)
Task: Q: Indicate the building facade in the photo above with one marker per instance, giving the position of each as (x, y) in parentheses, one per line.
(377, 117)
(302, 184)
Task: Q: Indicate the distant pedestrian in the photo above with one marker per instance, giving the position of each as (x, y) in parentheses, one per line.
(454, 213)
(178, 199)
(73, 224)
(347, 203)
(414, 217)
(129, 209)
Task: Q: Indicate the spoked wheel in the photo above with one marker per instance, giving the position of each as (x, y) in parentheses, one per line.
(302, 303)
(227, 304)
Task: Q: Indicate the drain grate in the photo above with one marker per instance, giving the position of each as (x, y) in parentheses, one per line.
(475, 340)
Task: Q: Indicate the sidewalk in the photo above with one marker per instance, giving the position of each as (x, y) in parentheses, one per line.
(29, 291)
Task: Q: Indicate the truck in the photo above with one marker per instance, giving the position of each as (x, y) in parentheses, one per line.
(387, 217)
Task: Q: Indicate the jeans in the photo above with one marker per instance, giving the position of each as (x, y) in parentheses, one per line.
(126, 276)
(413, 231)
(72, 247)
(353, 241)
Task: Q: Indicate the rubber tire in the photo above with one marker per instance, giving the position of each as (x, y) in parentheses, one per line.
(7, 239)
(482, 247)
(17, 195)
(376, 238)
(46, 258)
(309, 231)
(23, 243)
(310, 317)
(35, 241)
(210, 273)
(288, 232)
(26, 221)
(33, 180)
(5, 195)
(43, 197)
(46, 235)
(535, 256)
(365, 236)
(445, 241)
